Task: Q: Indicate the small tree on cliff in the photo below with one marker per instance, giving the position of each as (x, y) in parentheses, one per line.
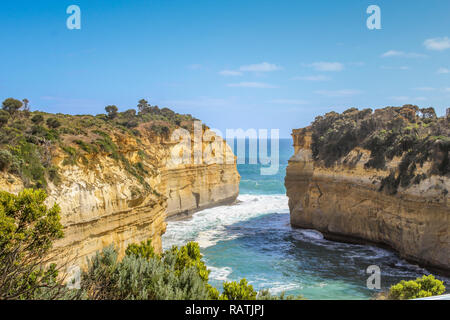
(112, 111)
(143, 105)
(26, 108)
(27, 231)
(12, 105)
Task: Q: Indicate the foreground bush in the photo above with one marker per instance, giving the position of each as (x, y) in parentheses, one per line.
(145, 276)
(27, 231)
(426, 286)
(177, 274)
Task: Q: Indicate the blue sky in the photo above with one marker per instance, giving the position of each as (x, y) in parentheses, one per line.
(233, 64)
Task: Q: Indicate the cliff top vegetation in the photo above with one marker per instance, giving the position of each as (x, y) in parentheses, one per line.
(29, 139)
(413, 134)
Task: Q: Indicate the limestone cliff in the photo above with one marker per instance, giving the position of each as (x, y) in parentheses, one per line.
(401, 203)
(125, 195)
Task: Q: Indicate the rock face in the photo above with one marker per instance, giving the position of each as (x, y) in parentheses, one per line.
(345, 203)
(197, 187)
(103, 204)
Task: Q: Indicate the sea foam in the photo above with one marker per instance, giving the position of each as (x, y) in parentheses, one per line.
(207, 227)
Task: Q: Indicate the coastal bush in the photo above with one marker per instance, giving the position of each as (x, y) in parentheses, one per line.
(143, 250)
(426, 286)
(412, 134)
(53, 123)
(178, 273)
(4, 117)
(6, 160)
(161, 130)
(27, 231)
(242, 290)
(37, 119)
(30, 164)
(130, 113)
(266, 295)
(72, 155)
(238, 291)
(142, 275)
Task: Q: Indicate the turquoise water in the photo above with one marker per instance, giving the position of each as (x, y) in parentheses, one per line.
(253, 239)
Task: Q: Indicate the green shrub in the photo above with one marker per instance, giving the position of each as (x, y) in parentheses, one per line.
(37, 119)
(89, 148)
(178, 273)
(72, 155)
(140, 277)
(27, 231)
(426, 286)
(32, 170)
(161, 130)
(265, 295)
(53, 123)
(6, 160)
(144, 250)
(4, 117)
(130, 123)
(238, 291)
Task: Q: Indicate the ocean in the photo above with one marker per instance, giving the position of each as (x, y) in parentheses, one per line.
(253, 239)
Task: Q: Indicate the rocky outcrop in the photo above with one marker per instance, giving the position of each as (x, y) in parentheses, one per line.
(103, 203)
(344, 202)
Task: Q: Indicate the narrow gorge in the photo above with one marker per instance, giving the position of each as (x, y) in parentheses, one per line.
(380, 177)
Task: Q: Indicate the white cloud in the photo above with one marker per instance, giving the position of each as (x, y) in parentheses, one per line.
(446, 89)
(230, 73)
(260, 67)
(392, 53)
(339, 93)
(443, 70)
(395, 53)
(251, 85)
(437, 44)
(313, 78)
(289, 101)
(327, 66)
